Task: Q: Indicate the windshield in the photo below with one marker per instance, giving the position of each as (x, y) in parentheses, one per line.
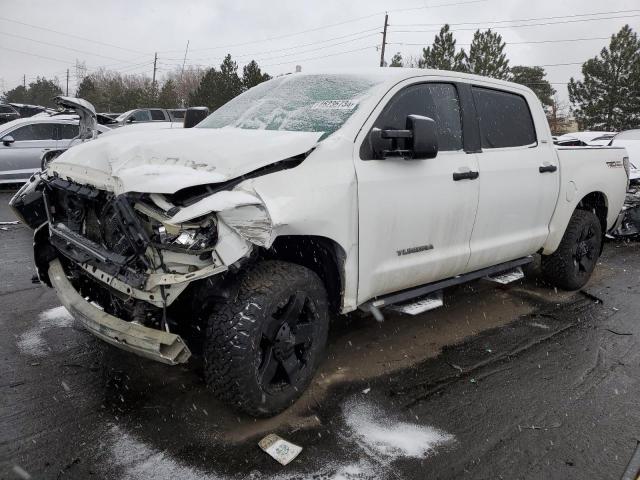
(124, 115)
(299, 103)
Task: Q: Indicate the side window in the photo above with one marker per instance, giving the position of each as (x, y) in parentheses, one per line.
(505, 119)
(157, 115)
(67, 131)
(34, 131)
(438, 101)
(141, 116)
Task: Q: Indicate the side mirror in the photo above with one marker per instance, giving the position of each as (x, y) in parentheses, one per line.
(194, 115)
(418, 141)
(7, 140)
(130, 120)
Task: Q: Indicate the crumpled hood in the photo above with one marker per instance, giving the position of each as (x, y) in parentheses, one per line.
(167, 160)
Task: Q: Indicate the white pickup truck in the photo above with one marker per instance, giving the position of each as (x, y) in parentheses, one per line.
(306, 196)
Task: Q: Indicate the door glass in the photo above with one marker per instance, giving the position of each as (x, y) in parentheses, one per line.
(505, 119)
(157, 115)
(141, 116)
(67, 131)
(438, 101)
(34, 131)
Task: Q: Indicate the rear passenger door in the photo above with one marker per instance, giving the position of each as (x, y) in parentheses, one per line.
(516, 200)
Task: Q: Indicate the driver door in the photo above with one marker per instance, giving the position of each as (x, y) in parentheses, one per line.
(415, 220)
(21, 158)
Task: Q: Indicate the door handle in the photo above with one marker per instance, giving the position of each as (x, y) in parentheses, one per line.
(547, 168)
(470, 175)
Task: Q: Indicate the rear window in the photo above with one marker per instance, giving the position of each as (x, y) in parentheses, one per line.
(67, 131)
(177, 113)
(505, 119)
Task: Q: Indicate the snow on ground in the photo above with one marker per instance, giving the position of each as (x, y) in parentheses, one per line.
(32, 342)
(371, 438)
(389, 440)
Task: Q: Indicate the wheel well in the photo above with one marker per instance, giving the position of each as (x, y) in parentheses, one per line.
(320, 254)
(596, 202)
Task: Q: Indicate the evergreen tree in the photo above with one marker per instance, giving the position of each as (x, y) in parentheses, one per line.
(42, 92)
(486, 56)
(218, 87)
(252, 75)
(396, 60)
(168, 96)
(608, 97)
(534, 78)
(442, 54)
(16, 95)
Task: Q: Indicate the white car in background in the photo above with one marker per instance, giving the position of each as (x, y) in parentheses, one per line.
(589, 138)
(630, 139)
(25, 141)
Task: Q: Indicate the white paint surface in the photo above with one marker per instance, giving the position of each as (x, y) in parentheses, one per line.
(32, 342)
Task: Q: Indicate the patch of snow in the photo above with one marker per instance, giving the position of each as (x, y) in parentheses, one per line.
(32, 341)
(378, 434)
(138, 461)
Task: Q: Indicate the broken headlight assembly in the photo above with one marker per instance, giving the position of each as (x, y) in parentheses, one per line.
(191, 237)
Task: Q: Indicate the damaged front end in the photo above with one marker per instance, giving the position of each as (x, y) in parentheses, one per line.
(133, 267)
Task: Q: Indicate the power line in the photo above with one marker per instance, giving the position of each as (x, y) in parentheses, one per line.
(68, 34)
(614, 12)
(514, 43)
(323, 56)
(331, 25)
(62, 46)
(516, 26)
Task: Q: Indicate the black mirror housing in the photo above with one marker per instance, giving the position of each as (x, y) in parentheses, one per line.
(425, 136)
(194, 115)
(7, 140)
(418, 141)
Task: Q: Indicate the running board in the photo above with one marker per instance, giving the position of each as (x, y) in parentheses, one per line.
(420, 305)
(506, 277)
(376, 304)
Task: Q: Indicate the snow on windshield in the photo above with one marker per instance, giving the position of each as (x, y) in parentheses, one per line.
(302, 103)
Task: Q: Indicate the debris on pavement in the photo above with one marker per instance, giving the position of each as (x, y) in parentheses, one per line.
(280, 449)
(10, 223)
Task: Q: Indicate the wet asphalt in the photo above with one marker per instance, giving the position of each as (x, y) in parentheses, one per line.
(504, 382)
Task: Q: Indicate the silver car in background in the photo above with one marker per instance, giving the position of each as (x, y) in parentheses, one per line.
(25, 141)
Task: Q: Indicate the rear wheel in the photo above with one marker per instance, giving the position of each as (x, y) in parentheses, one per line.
(571, 265)
(264, 344)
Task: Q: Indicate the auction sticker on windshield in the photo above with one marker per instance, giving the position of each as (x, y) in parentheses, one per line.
(334, 105)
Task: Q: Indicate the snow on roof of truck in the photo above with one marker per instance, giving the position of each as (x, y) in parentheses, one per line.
(397, 74)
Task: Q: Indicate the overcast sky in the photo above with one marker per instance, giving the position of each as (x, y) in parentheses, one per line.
(124, 34)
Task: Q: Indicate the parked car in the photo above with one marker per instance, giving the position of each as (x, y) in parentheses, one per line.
(629, 226)
(26, 142)
(630, 139)
(26, 110)
(150, 115)
(8, 113)
(305, 196)
(586, 137)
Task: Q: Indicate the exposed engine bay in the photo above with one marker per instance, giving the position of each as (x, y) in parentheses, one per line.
(134, 254)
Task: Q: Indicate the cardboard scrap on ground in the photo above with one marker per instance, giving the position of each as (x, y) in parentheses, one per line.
(283, 451)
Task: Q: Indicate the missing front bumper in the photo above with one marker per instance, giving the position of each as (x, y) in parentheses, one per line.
(146, 342)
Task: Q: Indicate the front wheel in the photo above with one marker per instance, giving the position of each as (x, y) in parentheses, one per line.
(571, 265)
(264, 345)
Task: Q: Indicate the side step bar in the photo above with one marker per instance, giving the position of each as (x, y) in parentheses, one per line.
(424, 290)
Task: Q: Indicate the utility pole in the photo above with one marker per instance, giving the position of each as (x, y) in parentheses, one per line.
(384, 39)
(67, 82)
(155, 61)
(185, 59)
(24, 80)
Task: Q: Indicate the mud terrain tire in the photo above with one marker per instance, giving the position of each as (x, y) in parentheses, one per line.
(571, 265)
(264, 344)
